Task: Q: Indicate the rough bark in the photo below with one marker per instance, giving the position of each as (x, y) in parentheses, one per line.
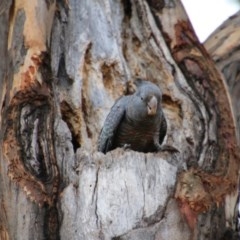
(63, 66)
(223, 46)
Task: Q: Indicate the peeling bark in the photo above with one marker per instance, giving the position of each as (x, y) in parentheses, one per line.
(64, 65)
(223, 45)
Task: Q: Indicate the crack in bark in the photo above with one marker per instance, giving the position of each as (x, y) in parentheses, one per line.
(4, 212)
(143, 188)
(154, 218)
(127, 192)
(95, 195)
(127, 200)
(148, 222)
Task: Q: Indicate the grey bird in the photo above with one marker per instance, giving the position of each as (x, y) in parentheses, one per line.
(136, 121)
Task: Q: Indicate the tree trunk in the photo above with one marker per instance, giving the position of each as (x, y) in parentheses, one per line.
(223, 46)
(63, 65)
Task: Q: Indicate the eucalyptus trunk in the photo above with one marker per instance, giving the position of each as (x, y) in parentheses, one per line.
(63, 64)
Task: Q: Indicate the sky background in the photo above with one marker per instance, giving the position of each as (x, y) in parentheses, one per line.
(207, 15)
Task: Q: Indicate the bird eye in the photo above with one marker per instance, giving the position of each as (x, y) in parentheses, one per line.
(141, 98)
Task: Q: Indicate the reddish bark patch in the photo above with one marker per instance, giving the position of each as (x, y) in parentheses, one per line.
(197, 191)
(28, 146)
(28, 139)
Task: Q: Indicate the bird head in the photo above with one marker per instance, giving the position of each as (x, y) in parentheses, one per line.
(146, 101)
(150, 101)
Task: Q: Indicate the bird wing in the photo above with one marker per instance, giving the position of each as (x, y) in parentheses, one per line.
(163, 129)
(116, 114)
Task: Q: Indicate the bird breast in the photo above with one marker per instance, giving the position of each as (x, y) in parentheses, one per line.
(138, 136)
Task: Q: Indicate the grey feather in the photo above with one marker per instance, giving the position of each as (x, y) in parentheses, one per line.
(111, 124)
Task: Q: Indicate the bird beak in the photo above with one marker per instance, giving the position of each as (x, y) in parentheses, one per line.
(152, 106)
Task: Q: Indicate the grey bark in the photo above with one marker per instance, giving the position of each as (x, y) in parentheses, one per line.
(59, 82)
(223, 45)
